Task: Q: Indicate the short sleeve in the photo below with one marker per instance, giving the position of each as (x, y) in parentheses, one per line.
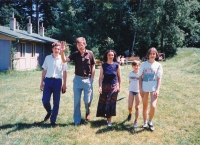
(160, 71)
(141, 69)
(71, 56)
(129, 74)
(92, 58)
(44, 66)
(65, 66)
(117, 65)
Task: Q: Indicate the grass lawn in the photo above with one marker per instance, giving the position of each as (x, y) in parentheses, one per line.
(177, 118)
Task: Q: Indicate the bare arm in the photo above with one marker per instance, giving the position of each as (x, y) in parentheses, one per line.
(140, 83)
(64, 81)
(140, 86)
(63, 57)
(42, 79)
(158, 87)
(119, 77)
(100, 80)
(63, 48)
(93, 72)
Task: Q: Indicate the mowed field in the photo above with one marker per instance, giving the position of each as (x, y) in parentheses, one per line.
(177, 118)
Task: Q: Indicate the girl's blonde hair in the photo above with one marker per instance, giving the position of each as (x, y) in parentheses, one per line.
(152, 49)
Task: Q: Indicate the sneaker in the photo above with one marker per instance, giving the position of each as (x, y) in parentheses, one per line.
(129, 117)
(135, 125)
(47, 116)
(109, 124)
(151, 127)
(144, 126)
(87, 116)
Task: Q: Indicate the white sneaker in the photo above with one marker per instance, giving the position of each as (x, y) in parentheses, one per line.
(135, 125)
(145, 125)
(109, 124)
(151, 127)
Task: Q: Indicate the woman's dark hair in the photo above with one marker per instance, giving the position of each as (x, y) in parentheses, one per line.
(105, 59)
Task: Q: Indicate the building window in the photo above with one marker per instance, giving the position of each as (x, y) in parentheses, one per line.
(22, 50)
(33, 48)
(43, 50)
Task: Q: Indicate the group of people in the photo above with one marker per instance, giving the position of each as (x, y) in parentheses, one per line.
(121, 59)
(144, 79)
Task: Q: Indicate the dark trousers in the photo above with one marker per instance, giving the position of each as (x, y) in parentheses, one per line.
(52, 85)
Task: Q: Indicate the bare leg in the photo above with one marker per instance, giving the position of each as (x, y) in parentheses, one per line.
(145, 105)
(153, 106)
(109, 121)
(130, 102)
(137, 102)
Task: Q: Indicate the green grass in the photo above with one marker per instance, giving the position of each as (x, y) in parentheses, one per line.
(176, 120)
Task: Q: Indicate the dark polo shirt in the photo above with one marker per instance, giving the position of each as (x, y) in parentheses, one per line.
(84, 63)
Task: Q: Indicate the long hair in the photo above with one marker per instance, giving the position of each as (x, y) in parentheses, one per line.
(105, 59)
(152, 49)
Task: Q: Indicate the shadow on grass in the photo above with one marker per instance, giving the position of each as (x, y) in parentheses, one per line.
(98, 123)
(21, 126)
(116, 126)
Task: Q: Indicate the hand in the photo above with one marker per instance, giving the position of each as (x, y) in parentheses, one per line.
(141, 93)
(63, 89)
(118, 88)
(41, 86)
(63, 46)
(156, 93)
(100, 90)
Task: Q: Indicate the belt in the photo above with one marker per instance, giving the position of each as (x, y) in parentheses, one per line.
(84, 77)
(52, 78)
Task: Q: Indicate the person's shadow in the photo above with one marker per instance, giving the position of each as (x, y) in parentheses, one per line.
(115, 126)
(22, 126)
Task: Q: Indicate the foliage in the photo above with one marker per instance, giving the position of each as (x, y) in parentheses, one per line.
(138, 24)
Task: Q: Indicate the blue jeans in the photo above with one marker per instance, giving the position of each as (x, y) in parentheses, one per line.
(52, 86)
(79, 85)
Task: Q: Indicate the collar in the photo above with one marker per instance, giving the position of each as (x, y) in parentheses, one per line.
(86, 52)
(55, 57)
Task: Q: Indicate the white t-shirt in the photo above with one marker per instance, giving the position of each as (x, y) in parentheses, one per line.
(54, 66)
(134, 82)
(151, 72)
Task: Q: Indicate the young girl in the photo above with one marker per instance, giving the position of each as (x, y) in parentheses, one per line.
(150, 80)
(134, 91)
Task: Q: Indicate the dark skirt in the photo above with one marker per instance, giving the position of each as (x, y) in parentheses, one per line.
(107, 101)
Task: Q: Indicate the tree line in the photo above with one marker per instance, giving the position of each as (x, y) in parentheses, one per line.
(134, 25)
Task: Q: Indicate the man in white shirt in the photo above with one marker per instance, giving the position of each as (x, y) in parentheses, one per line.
(54, 70)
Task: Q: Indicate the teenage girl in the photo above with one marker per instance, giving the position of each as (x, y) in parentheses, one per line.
(150, 81)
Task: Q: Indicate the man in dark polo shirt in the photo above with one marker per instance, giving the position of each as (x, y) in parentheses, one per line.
(84, 75)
